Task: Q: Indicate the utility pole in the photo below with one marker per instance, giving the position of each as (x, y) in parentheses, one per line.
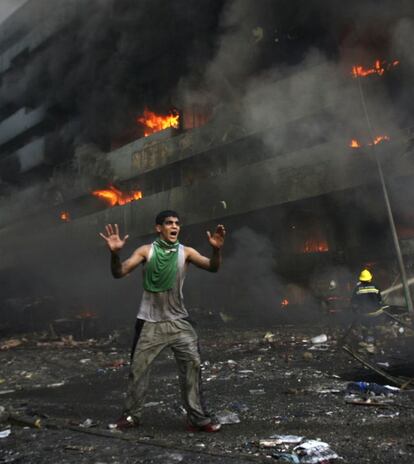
(400, 260)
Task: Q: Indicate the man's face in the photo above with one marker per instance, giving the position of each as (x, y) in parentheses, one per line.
(170, 229)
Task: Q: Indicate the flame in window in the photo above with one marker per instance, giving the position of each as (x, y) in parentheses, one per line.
(284, 303)
(378, 68)
(315, 246)
(64, 216)
(114, 196)
(354, 143)
(153, 122)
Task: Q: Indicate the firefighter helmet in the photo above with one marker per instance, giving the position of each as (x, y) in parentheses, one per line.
(365, 276)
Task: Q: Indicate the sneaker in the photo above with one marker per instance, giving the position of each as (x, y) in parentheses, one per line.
(124, 422)
(209, 428)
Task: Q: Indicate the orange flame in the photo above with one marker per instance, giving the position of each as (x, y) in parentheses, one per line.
(354, 143)
(113, 196)
(315, 246)
(64, 216)
(379, 68)
(380, 138)
(155, 122)
(284, 303)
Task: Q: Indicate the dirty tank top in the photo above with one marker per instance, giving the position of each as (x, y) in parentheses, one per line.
(168, 305)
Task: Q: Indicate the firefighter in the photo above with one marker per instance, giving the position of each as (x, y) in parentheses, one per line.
(366, 303)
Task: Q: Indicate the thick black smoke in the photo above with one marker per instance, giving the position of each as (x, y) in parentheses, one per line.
(117, 56)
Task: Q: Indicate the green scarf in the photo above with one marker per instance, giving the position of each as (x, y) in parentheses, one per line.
(161, 270)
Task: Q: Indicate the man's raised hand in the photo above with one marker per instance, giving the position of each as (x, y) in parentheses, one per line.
(217, 238)
(112, 238)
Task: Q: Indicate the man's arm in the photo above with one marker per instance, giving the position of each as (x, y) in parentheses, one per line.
(216, 241)
(121, 269)
(115, 244)
(211, 264)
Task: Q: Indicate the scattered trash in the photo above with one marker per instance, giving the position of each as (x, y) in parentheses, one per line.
(87, 423)
(293, 449)
(286, 457)
(383, 364)
(389, 416)
(81, 449)
(238, 406)
(259, 391)
(269, 337)
(324, 391)
(319, 347)
(372, 401)
(5, 392)
(319, 339)
(288, 439)
(56, 384)
(117, 364)
(246, 360)
(153, 403)
(5, 433)
(11, 343)
(270, 442)
(314, 452)
(25, 421)
(368, 347)
(227, 417)
(371, 388)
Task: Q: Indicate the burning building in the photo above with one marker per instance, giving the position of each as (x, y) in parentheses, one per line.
(98, 128)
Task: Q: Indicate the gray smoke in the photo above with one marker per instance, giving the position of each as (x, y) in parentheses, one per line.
(268, 61)
(7, 7)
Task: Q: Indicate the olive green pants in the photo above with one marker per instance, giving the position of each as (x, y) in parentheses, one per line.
(180, 336)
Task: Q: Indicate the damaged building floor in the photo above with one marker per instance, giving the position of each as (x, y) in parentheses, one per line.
(58, 397)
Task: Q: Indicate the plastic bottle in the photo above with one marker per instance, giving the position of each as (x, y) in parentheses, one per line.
(368, 387)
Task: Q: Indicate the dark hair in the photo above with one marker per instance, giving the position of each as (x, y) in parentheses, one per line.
(162, 216)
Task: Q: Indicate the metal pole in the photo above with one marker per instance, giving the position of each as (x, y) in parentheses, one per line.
(395, 236)
(388, 207)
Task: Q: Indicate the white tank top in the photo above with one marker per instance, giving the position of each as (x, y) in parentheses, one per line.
(168, 305)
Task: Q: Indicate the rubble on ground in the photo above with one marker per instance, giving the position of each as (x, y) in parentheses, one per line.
(263, 384)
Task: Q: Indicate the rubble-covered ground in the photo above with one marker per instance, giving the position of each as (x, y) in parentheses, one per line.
(58, 396)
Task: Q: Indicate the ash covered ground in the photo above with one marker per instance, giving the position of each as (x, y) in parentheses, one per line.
(273, 379)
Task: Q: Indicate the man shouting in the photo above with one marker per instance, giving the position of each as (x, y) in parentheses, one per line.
(162, 317)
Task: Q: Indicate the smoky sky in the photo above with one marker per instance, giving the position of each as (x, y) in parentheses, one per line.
(269, 61)
(7, 7)
(117, 57)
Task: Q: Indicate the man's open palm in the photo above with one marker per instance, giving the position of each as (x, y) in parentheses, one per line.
(217, 238)
(112, 238)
